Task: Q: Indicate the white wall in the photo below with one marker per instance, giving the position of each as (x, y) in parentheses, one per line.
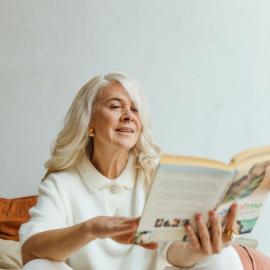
(204, 65)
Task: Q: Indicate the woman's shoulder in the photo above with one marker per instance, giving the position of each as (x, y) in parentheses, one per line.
(62, 179)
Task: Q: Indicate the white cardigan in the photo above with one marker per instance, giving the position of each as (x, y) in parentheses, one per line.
(70, 197)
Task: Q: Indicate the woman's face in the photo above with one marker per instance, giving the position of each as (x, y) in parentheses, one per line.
(115, 119)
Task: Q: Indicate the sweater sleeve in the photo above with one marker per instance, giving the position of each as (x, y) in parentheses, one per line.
(48, 213)
(163, 250)
(226, 259)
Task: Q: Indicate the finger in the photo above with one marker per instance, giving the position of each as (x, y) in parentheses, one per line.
(125, 238)
(123, 219)
(151, 245)
(121, 233)
(230, 225)
(267, 174)
(126, 220)
(116, 229)
(117, 221)
(231, 218)
(203, 235)
(132, 220)
(193, 239)
(216, 232)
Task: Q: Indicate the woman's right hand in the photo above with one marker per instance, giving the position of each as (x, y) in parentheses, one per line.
(120, 229)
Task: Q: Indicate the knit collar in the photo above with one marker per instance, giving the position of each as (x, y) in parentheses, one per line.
(95, 180)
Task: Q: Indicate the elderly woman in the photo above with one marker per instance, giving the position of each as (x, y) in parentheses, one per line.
(95, 189)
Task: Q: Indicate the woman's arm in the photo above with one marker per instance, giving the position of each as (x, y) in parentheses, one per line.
(60, 244)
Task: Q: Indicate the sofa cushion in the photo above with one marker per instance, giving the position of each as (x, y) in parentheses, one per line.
(10, 255)
(13, 213)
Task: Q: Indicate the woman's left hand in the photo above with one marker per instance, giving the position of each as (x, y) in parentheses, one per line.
(205, 242)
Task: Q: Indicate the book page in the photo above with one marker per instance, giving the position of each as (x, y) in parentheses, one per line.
(249, 209)
(177, 194)
(193, 161)
(250, 154)
(249, 190)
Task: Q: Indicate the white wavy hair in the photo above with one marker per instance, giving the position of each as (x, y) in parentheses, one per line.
(73, 142)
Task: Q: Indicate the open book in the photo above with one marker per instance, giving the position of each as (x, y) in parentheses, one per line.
(184, 186)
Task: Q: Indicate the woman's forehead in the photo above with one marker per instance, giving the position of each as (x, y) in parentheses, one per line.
(114, 90)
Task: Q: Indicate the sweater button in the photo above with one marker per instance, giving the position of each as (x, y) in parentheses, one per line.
(115, 189)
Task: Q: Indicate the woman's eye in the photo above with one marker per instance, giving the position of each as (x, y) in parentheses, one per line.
(134, 109)
(115, 106)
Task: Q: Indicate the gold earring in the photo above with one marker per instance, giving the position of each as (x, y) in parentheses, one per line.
(91, 132)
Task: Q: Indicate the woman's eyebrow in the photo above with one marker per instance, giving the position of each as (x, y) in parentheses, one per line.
(116, 99)
(113, 99)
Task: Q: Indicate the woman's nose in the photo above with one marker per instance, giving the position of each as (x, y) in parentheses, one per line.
(127, 115)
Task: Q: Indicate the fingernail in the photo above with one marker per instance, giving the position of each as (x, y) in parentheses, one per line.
(199, 218)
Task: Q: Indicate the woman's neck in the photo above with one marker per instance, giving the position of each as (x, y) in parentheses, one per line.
(110, 163)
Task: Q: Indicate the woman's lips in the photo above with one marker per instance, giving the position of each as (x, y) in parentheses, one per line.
(125, 130)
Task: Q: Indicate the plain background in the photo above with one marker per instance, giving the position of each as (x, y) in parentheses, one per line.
(204, 66)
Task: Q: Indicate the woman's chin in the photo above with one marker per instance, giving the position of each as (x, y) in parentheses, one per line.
(125, 144)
